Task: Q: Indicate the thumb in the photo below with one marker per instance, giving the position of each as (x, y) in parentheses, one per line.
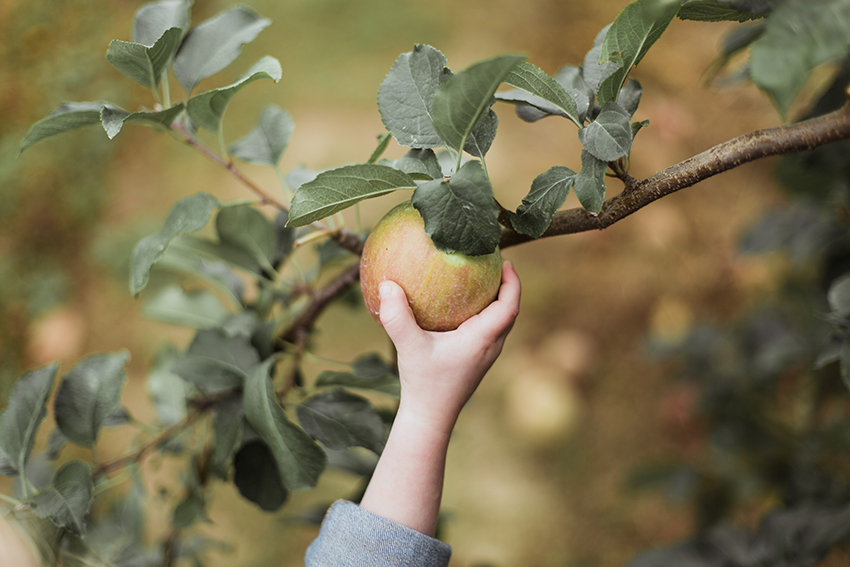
(396, 315)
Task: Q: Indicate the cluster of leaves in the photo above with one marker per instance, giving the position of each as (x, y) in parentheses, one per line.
(774, 388)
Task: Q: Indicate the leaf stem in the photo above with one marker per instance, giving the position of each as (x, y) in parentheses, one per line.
(315, 235)
(9, 499)
(166, 89)
(283, 182)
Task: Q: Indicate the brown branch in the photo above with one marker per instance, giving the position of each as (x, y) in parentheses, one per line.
(801, 136)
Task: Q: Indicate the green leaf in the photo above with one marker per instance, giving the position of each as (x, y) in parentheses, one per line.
(155, 18)
(460, 213)
(141, 63)
(838, 296)
(188, 215)
(67, 117)
(165, 388)
(405, 96)
(215, 362)
(383, 143)
(25, 409)
(534, 81)
(340, 419)
(88, 394)
(629, 97)
(245, 228)
(798, 37)
(190, 250)
(215, 43)
(339, 188)
(466, 96)
(257, 478)
(421, 165)
(637, 127)
(68, 502)
(593, 71)
(113, 118)
(714, 11)
(589, 184)
(548, 192)
(299, 459)
(633, 32)
(207, 109)
(385, 383)
(196, 309)
(265, 144)
(191, 508)
(228, 422)
(609, 137)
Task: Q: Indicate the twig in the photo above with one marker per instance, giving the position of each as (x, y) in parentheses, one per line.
(801, 136)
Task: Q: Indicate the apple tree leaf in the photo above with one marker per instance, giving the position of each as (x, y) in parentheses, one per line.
(265, 144)
(89, 394)
(68, 116)
(197, 309)
(68, 502)
(113, 118)
(421, 165)
(207, 109)
(188, 215)
(299, 459)
(245, 228)
(155, 18)
(228, 424)
(714, 11)
(461, 101)
(635, 29)
(609, 137)
(535, 81)
(594, 71)
(215, 43)
(141, 63)
(215, 362)
(338, 189)
(589, 184)
(340, 419)
(257, 478)
(25, 409)
(165, 388)
(548, 192)
(460, 213)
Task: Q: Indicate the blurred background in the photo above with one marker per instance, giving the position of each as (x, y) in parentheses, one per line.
(539, 469)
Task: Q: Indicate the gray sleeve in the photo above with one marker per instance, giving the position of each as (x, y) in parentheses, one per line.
(353, 537)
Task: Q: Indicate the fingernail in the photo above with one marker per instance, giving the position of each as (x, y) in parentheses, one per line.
(385, 290)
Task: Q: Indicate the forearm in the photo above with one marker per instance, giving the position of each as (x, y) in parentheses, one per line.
(408, 482)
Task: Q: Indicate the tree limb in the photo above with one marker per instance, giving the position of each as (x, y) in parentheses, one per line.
(801, 136)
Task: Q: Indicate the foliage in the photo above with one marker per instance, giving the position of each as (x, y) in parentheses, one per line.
(272, 430)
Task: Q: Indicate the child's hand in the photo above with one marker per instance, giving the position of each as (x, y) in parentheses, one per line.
(440, 371)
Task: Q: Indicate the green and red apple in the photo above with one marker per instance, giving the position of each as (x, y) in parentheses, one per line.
(444, 289)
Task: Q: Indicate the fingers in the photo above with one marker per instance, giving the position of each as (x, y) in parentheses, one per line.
(397, 317)
(498, 318)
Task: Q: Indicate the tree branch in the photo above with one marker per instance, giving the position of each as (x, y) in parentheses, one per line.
(801, 136)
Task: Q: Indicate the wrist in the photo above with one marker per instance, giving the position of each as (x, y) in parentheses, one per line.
(424, 420)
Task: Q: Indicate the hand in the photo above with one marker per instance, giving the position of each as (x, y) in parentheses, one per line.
(440, 371)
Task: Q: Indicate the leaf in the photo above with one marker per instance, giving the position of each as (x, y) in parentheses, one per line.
(68, 116)
(838, 296)
(155, 18)
(68, 502)
(339, 188)
(113, 118)
(245, 228)
(420, 165)
(533, 80)
(340, 419)
(629, 97)
(593, 71)
(460, 213)
(299, 459)
(369, 372)
(207, 109)
(215, 43)
(589, 184)
(88, 394)
(217, 363)
(257, 478)
(637, 127)
(609, 137)
(197, 309)
(227, 430)
(188, 215)
(798, 37)
(165, 388)
(548, 192)
(714, 11)
(633, 32)
(25, 409)
(405, 96)
(466, 96)
(144, 64)
(265, 144)
(189, 509)
(383, 143)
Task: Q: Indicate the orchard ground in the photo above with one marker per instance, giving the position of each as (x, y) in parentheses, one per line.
(520, 489)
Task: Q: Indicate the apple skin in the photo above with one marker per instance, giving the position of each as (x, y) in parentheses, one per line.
(443, 289)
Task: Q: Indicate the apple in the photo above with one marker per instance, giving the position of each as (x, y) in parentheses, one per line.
(444, 289)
